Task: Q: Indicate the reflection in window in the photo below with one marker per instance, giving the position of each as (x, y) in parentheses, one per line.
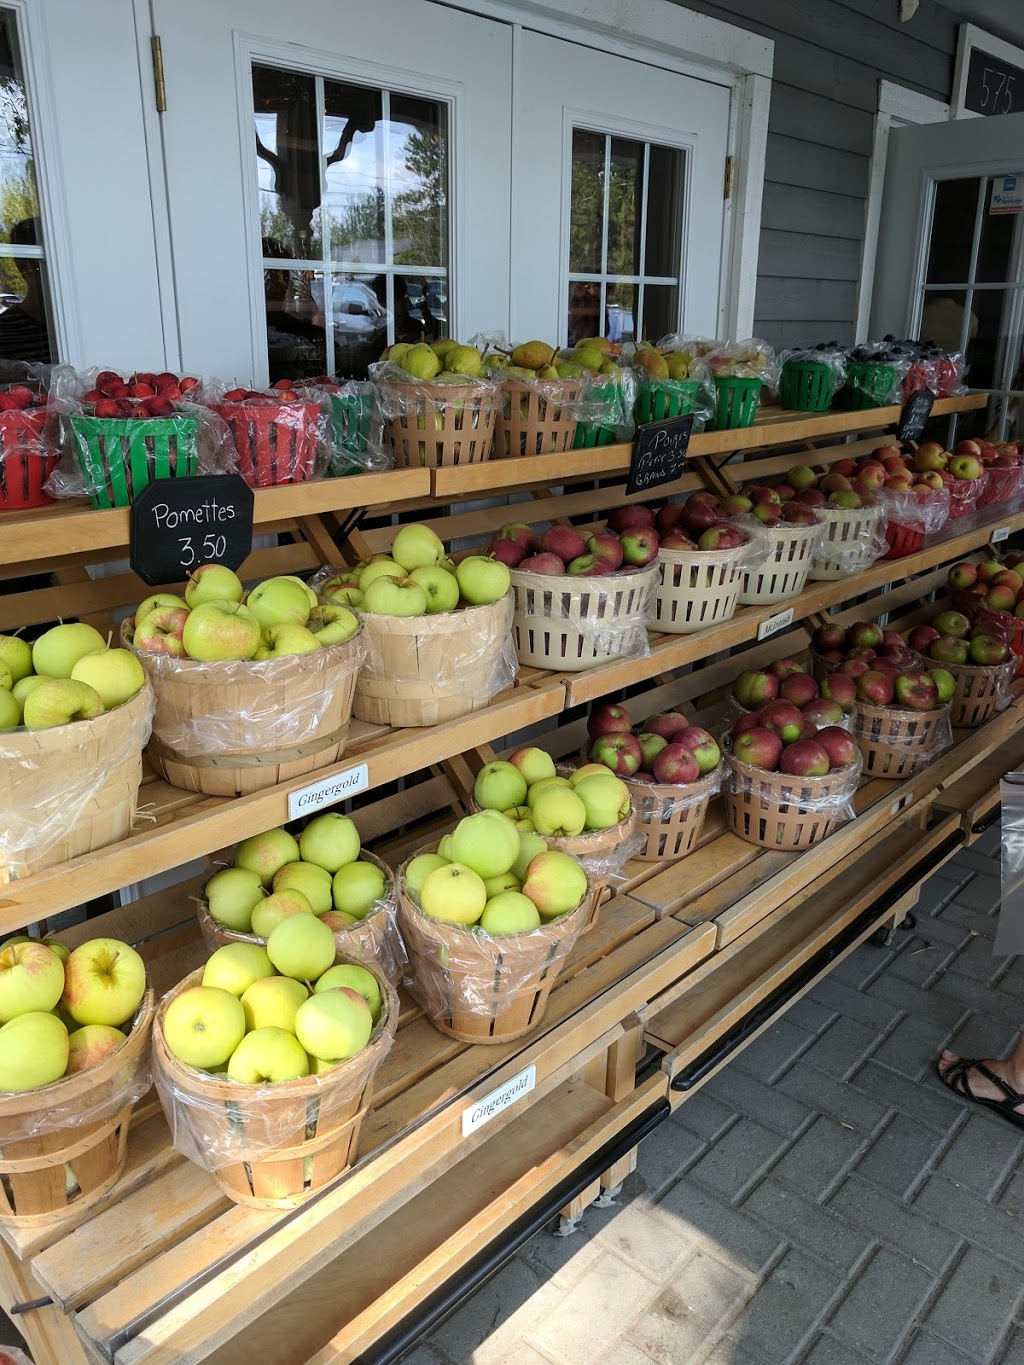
(354, 221)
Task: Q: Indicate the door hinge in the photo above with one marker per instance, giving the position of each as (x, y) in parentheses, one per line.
(158, 75)
(730, 166)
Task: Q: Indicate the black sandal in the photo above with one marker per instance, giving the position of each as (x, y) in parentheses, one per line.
(955, 1079)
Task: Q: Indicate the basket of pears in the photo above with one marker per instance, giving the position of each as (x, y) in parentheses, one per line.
(438, 407)
(252, 687)
(264, 1061)
(540, 395)
(323, 872)
(438, 634)
(489, 917)
(671, 382)
(606, 411)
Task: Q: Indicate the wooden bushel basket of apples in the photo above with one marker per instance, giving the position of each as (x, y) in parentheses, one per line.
(982, 592)
(26, 459)
(979, 659)
(537, 409)
(900, 722)
(702, 557)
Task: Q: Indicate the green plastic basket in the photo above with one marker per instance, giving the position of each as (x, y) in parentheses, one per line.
(119, 456)
(591, 434)
(351, 415)
(868, 385)
(737, 401)
(657, 399)
(806, 385)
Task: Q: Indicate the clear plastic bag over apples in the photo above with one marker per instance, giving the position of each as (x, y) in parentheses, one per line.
(926, 511)
(875, 371)
(896, 741)
(354, 427)
(603, 852)
(670, 818)
(282, 436)
(941, 372)
(789, 800)
(852, 539)
(751, 358)
(605, 412)
(572, 622)
(447, 420)
(659, 397)
(810, 377)
(1010, 926)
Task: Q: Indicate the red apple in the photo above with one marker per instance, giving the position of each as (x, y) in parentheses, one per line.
(759, 747)
(676, 765)
(804, 758)
(619, 752)
(839, 746)
(875, 687)
(799, 688)
(841, 688)
(635, 515)
(608, 718)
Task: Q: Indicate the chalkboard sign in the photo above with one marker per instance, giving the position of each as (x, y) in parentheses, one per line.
(914, 417)
(659, 453)
(994, 85)
(178, 524)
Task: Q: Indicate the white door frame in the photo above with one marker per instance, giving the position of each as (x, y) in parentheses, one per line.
(897, 107)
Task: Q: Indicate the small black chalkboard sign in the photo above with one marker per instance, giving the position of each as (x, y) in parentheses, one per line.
(179, 524)
(914, 417)
(659, 453)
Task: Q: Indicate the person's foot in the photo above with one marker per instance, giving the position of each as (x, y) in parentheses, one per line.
(991, 1084)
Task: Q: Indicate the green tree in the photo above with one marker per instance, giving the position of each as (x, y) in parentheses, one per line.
(18, 201)
(419, 214)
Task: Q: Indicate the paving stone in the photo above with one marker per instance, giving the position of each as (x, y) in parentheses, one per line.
(706, 1113)
(808, 1014)
(806, 1225)
(968, 1215)
(1012, 980)
(944, 928)
(976, 1305)
(932, 1105)
(737, 1160)
(982, 892)
(842, 1048)
(909, 1230)
(424, 1354)
(768, 1105)
(703, 1295)
(730, 1351)
(1000, 1003)
(663, 1157)
(934, 1004)
(819, 1157)
(925, 1349)
(731, 1235)
(498, 1314)
(828, 1351)
(913, 1046)
(880, 1308)
(1011, 1200)
(855, 1004)
(643, 1240)
(775, 1051)
(625, 1353)
(981, 1153)
(898, 1159)
(971, 920)
(935, 892)
(786, 1307)
(562, 1261)
(1015, 1352)
(921, 958)
(591, 1315)
(863, 966)
(842, 1102)
(984, 1036)
(976, 960)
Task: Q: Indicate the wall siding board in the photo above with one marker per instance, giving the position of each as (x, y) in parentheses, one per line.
(812, 301)
(799, 255)
(789, 161)
(788, 207)
(801, 113)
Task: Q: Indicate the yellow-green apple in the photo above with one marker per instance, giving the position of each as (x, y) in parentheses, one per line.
(555, 882)
(33, 1052)
(357, 888)
(302, 947)
(559, 811)
(357, 979)
(116, 675)
(587, 770)
(509, 912)
(279, 642)
(220, 630)
(499, 785)
(542, 786)
(416, 546)
(395, 597)
(57, 651)
(482, 580)
(10, 711)
(236, 966)
(233, 894)
(347, 595)
(337, 921)
(268, 1055)
(339, 625)
(440, 586)
(203, 1026)
(485, 842)
(507, 881)
(156, 601)
(104, 982)
(162, 631)
(21, 690)
(945, 684)
(19, 938)
(58, 946)
(31, 979)
(278, 906)
(312, 881)
(533, 763)
(59, 702)
(420, 868)
(16, 656)
(310, 594)
(330, 841)
(213, 583)
(605, 798)
(278, 602)
(272, 1001)
(90, 1044)
(334, 1024)
(266, 853)
(530, 845)
(378, 567)
(444, 849)
(454, 893)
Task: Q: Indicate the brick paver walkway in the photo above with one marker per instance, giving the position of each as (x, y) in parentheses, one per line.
(824, 1201)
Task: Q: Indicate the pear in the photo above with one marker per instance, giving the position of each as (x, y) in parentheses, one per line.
(568, 370)
(678, 367)
(495, 360)
(520, 372)
(421, 362)
(396, 352)
(590, 357)
(548, 372)
(442, 346)
(653, 362)
(463, 360)
(611, 370)
(533, 355)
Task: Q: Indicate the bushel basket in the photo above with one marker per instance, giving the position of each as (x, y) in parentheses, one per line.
(438, 425)
(784, 573)
(536, 418)
(980, 692)
(850, 541)
(567, 623)
(118, 457)
(895, 741)
(698, 588)
(778, 811)
(671, 818)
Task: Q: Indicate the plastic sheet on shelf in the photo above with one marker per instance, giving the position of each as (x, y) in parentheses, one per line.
(606, 616)
(852, 539)
(1010, 926)
(354, 431)
(831, 794)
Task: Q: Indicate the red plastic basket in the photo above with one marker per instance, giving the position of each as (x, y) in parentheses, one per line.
(24, 467)
(903, 540)
(276, 444)
(1001, 485)
(964, 495)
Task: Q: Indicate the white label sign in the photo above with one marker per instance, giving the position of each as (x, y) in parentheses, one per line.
(328, 791)
(775, 623)
(901, 804)
(482, 1111)
(1000, 533)
(1007, 194)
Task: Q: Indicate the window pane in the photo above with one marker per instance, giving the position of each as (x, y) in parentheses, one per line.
(664, 212)
(586, 207)
(295, 324)
(620, 312)
(996, 243)
(359, 305)
(986, 351)
(421, 307)
(956, 208)
(419, 181)
(625, 195)
(584, 310)
(661, 310)
(942, 318)
(355, 171)
(288, 163)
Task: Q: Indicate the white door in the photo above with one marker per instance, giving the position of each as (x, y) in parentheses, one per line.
(617, 196)
(951, 251)
(337, 177)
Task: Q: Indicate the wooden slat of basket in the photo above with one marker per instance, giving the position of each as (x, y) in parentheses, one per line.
(560, 619)
(441, 425)
(543, 428)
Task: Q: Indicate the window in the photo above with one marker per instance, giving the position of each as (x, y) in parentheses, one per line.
(625, 237)
(26, 326)
(354, 194)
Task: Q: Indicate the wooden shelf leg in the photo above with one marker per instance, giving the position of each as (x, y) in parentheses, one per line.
(623, 1059)
(49, 1333)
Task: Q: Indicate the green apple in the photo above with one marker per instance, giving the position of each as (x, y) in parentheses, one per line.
(6, 678)
(157, 601)
(279, 642)
(555, 882)
(441, 588)
(330, 841)
(60, 948)
(498, 786)
(356, 978)
(279, 602)
(104, 982)
(212, 583)
(416, 546)
(486, 842)
(312, 881)
(534, 764)
(419, 869)
(388, 597)
(339, 582)
(236, 966)
(116, 674)
(266, 853)
(543, 785)
(606, 798)
(272, 1001)
(57, 651)
(19, 938)
(310, 593)
(268, 1054)
(232, 895)
(357, 888)
(558, 812)
(220, 630)
(509, 912)
(337, 921)
(945, 683)
(507, 881)
(302, 947)
(22, 689)
(91, 1044)
(33, 1051)
(444, 849)
(381, 567)
(59, 702)
(16, 656)
(345, 597)
(483, 580)
(31, 979)
(10, 711)
(530, 845)
(339, 625)
(203, 1026)
(334, 1024)
(454, 894)
(278, 907)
